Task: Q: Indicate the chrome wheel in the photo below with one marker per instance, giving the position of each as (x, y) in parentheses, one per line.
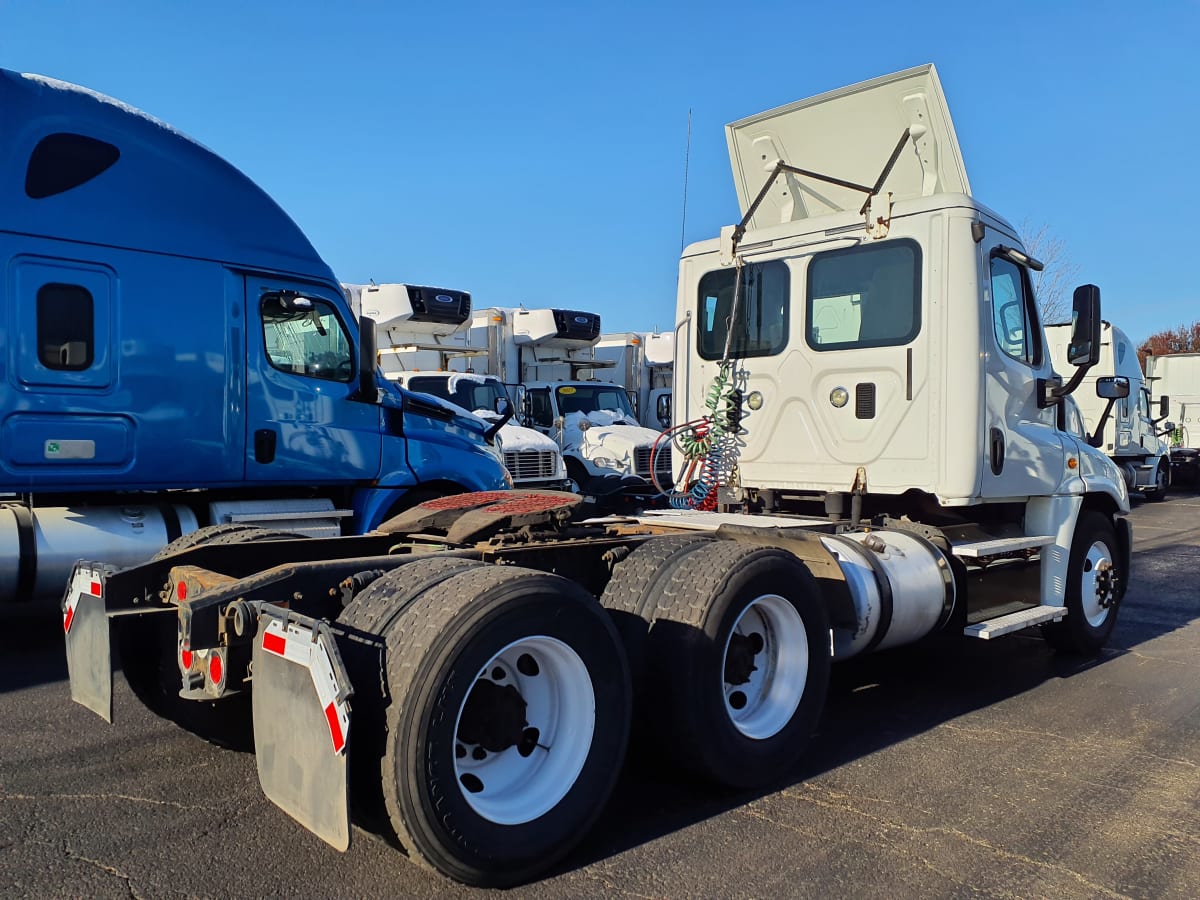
(1097, 584)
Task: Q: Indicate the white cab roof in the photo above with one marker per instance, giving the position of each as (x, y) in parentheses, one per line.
(848, 134)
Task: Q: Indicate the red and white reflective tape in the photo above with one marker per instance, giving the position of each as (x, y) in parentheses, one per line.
(295, 643)
(83, 581)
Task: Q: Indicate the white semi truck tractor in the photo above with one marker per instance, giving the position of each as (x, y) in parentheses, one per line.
(1125, 429)
(866, 401)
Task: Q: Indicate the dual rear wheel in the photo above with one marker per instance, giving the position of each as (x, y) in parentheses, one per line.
(493, 703)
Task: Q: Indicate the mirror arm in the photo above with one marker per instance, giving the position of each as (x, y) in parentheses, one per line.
(1097, 438)
(490, 434)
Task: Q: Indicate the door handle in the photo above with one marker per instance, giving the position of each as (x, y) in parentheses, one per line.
(996, 450)
(264, 445)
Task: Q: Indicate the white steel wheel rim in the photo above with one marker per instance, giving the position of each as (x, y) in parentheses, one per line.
(1096, 565)
(511, 789)
(760, 707)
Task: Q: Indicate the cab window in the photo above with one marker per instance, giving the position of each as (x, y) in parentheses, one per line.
(540, 411)
(759, 325)
(864, 297)
(304, 337)
(1014, 315)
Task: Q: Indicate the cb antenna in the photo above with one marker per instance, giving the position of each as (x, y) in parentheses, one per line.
(687, 157)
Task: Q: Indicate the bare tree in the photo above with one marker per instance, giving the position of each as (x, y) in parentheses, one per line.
(1053, 285)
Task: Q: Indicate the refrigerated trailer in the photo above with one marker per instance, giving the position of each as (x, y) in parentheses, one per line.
(1176, 376)
(878, 453)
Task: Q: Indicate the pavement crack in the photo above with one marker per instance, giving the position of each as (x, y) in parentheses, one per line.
(809, 795)
(1076, 742)
(126, 797)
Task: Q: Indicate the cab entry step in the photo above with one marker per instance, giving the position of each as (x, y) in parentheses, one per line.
(979, 549)
(1024, 618)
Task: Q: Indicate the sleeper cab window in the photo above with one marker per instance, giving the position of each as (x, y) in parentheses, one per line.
(865, 296)
(66, 335)
(64, 161)
(760, 323)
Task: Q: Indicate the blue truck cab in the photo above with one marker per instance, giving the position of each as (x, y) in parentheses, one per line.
(174, 353)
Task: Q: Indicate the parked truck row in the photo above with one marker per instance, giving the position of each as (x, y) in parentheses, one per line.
(862, 391)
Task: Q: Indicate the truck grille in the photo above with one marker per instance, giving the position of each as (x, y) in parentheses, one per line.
(530, 465)
(662, 462)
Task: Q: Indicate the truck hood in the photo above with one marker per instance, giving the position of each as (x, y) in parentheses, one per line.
(848, 134)
(519, 439)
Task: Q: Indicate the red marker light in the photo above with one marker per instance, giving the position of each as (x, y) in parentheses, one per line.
(186, 658)
(181, 590)
(215, 669)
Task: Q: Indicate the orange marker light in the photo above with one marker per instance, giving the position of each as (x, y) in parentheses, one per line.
(1072, 463)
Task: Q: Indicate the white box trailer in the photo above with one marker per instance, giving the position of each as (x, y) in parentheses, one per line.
(643, 364)
(1125, 429)
(881, 428)
(1176, 376)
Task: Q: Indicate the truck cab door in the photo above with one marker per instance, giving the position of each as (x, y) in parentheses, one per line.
(303, 422)
(1022, 446)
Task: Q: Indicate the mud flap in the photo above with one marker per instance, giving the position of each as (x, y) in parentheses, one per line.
(302, 722)
(89, 642)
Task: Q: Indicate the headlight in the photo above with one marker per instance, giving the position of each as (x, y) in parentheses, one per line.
(606, 462)
(584, 424)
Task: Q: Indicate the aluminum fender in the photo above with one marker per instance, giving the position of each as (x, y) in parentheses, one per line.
(302, 722)
(1054, 516)
(89, 643)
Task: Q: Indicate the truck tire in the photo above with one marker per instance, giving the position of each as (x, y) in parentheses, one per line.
(636, 581)
(737, 662)
(508, 722)
(1162, 483)
(365, 619)
(1092, 597)
(146, 646)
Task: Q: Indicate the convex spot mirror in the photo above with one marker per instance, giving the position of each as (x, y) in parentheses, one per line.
(1084, 349)
(1112, 387)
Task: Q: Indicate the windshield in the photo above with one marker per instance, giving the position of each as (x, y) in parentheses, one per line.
(471, 392)
(586, 398)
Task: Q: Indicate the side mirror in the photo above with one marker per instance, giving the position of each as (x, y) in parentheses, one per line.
(367, 356)
(502, 406)
(662, 409)
(1164, 406)
(1112, 387)
(1084, 349)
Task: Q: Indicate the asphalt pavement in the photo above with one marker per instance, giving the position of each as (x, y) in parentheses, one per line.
(995, 769)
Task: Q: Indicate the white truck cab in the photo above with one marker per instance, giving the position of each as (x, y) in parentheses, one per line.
(1123, 428)
(866, 343)
(643, 364)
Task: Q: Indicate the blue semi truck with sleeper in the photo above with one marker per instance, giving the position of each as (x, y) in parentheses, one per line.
(174, 354)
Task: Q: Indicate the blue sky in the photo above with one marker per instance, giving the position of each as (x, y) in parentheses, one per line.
(534, 153)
